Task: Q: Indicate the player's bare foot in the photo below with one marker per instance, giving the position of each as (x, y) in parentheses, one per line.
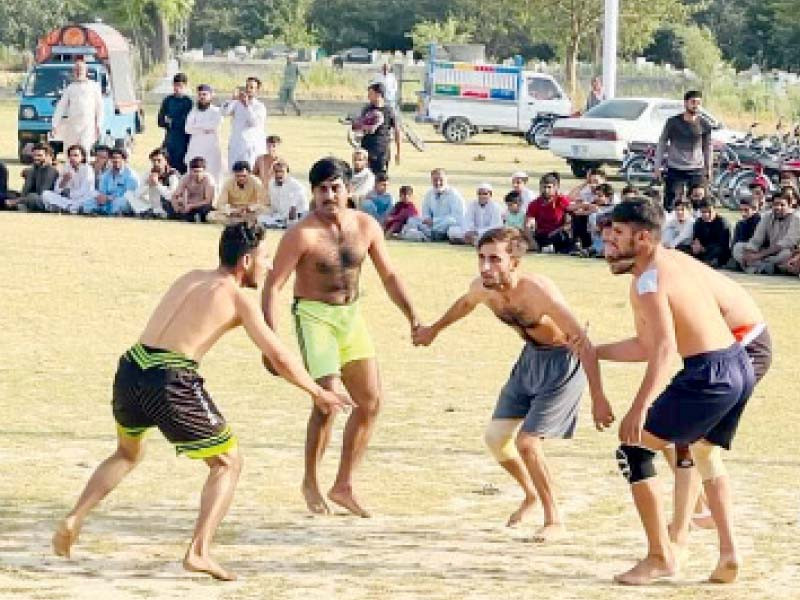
(314, 500)
(206, 564)
(727, 569)
(518, 515)
(548, 533)
(66, 534)
(344, 497)
(703, 520)
(647, 571)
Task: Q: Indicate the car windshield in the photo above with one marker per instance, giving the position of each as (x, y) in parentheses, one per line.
(629, 110)
(51, 81)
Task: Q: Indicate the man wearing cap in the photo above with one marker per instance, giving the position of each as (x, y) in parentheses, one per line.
(378, 131)
(78, 116)
(202, 124)
(172, 118)
(482, 215)
(519, 184)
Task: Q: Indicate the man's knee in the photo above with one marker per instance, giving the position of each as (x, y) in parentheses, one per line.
(131, 450)
(708, 460)
(636, 463)
(228, 461)
(499, 438)
(528, 443)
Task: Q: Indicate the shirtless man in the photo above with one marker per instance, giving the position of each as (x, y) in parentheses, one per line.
(157, 385)
(325, 250)
(542, 395)
(674, 310)
(746, 322)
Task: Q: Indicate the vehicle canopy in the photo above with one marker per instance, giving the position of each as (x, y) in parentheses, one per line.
(95, 43)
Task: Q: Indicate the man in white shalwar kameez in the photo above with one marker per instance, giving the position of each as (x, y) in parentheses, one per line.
(203, 124)
(248, 138)
(78, 116)
(75, 184)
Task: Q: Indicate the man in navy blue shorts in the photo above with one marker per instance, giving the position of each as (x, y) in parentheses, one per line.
(675, 310)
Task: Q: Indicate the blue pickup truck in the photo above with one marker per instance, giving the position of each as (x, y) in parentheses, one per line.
(110, 61)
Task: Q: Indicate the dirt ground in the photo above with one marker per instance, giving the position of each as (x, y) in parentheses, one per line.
(76, 293)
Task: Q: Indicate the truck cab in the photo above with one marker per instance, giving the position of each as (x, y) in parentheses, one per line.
(463, 99)
(108, 57)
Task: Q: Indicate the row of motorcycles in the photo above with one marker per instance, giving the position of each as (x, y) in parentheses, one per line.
(737, 165)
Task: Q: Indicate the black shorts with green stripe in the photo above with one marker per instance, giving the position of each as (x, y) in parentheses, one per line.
(159, 388)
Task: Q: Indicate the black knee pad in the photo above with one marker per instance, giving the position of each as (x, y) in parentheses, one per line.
(635, 463)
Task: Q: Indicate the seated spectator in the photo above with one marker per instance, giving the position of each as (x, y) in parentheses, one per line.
(100, 164)
(679, 227)
(519, 184)
(792, 264)
(39, 178)
(5, 193)
(401, 212)
(629, 192)
(790, 193)
(482, 215)
(442, 208)
(363, 181)
(514, 215)
(584, 192)
(545, 217)
(775, 237)
(193, 199)
(288, 198)
(711, 237)
(158, 185)
(746, 226)
(242, 198)
(604, 200)
(74, 187)
(118, 186)
(698, 193)
(379, 201)
(582, 205)
(264, 163)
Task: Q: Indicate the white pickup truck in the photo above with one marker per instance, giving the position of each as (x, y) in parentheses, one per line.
(462, 99)
(603, 134)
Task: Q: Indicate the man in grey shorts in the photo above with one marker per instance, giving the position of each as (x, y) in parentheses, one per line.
(542, 395)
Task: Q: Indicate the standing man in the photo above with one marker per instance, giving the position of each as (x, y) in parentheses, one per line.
(172, 117)
(78, 116)
(378, 122)
(202, 125)
(389, 81)
(686, 143)
(675, 310)
(542, 396)
(157, 385)
(291, 74)
(326, 251)
(596, 94)
(248, 131)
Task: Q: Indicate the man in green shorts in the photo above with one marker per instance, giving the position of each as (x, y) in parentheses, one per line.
(325, 251)
(157, 385)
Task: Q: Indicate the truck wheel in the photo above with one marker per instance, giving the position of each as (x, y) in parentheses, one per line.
(457, 130)
(580, 168)
(541, 135)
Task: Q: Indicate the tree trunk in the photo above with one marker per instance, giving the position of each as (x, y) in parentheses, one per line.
(571, 68)
(161, 49)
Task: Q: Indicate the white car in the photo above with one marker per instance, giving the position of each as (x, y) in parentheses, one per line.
(603, 134)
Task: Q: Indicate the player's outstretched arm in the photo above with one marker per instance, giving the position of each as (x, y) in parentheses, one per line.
(287, 255)
(424, 336)
(284, 362)
(391, 280)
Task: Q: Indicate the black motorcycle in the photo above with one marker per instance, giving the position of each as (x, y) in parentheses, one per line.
(541, 129)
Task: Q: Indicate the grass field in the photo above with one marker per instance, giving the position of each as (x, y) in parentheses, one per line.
(76, 293)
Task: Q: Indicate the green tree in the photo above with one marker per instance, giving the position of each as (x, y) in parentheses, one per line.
(700, 51)
(23, 22)
(450, 31)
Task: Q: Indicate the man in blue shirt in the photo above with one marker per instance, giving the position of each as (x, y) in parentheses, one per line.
(117, 185)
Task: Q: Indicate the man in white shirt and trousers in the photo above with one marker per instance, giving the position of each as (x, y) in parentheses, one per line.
(78, 116)
(248, 138)
(482, 215)
(288, 198)
(203, 123)
(75, 184)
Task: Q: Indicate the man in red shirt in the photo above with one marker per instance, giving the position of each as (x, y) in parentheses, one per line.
(547, 218)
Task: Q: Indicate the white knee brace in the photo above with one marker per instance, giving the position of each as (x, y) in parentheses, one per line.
(708, 460)
(499, 437)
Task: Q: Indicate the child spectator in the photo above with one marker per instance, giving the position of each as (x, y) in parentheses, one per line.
(379, 201)
(401, 212)
(604, 201)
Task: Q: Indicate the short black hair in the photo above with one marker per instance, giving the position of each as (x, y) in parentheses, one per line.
(119, 152)
(698, 186)
(328, 168)
(517, 246)
(692, 94)
(80, 149)
(596, 171)
(237, 240)
(406, 189)
(629, 189)
(240, 165)
(157, 152)
(101, 148)
(253, 78)
(549, 179)
(180, 78)
(513, 196)
(704, 204)
(683, 203)
(274, 139)
(378, 88)
(756, 184)
(555, 175)
(642, 213)
(197, 162)
(40, 146)
(381, 177)
(606, 189)
(653, 193)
